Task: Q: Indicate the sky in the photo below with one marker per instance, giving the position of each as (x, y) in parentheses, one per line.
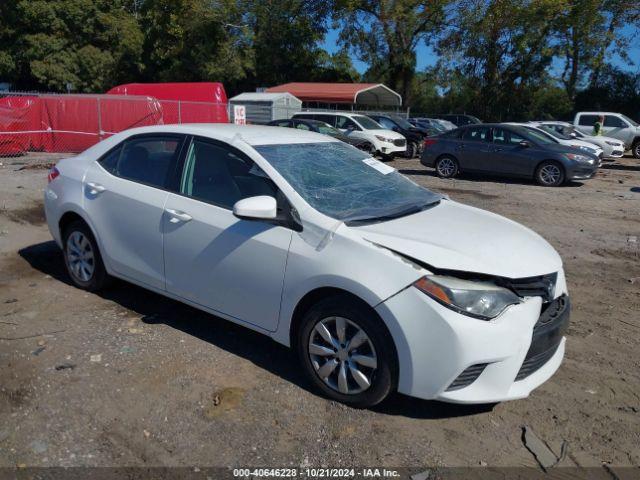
(426, 57)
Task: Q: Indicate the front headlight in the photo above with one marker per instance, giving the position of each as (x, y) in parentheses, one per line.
(579, 158)
(384, 139)
(587, 149)
(480, 299)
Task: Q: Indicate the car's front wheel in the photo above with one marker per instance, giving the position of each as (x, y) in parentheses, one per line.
(635, 149)
(82, 257)
(550, 174)
(346, 352)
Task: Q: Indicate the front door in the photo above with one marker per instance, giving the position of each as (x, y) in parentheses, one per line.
(507, 154)
(232, 266)
(124, 195)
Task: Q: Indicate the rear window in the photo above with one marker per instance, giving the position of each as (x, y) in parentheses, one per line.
(587, 120)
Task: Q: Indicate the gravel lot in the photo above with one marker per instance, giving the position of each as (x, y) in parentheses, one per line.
(129, 378)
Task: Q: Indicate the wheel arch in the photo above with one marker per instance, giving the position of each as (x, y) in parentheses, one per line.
(549, 160)
(314, 296)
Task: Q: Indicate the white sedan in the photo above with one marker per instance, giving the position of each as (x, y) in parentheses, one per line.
(377, 283)
(611, 147)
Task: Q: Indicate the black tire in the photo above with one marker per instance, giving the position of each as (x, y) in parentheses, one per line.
(447, 167)
(369, 148)
(550, 174)
(412, 148)
(99, 278)
(635, 149)
(383, 379)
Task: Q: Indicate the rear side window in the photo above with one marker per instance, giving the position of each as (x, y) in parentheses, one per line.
(145, 160)
(476, 134)
(330, 119)
(587, 120)
(615, 122)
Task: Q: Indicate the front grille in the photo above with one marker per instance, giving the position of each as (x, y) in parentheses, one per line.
(547, 335)
(467, 377)
(541, 286)
(400, 142)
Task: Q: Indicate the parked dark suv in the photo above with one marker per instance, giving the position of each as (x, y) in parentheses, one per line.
(507, 150)
(414, 135)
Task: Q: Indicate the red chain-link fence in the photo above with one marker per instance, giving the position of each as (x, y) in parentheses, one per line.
(60, 123)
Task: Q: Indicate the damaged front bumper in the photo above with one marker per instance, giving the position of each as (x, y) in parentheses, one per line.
(451, 357)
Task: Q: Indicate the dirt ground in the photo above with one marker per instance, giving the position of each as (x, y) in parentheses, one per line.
(129, 378)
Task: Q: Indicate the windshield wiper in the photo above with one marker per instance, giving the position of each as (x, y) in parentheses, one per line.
(390, 216)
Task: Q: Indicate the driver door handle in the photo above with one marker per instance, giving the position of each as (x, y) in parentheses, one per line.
(95, 188)
(178, 216)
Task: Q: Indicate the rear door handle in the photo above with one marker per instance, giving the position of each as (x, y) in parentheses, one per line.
(95, 188)
(178, 216)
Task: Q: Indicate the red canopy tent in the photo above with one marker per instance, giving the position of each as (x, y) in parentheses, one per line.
(196, 102)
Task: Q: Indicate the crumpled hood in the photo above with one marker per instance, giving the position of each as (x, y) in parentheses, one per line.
(459, 237)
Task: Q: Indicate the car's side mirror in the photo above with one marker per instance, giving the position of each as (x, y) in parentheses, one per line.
(524, 144)
(262, 207)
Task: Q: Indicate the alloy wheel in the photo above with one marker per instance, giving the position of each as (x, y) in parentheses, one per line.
(342, 355)
(446, 167)
(80, 256)
(550, 174)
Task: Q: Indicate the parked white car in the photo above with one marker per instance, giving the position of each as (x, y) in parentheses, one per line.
(611, 147)
(615, 125)
(379, 284)
(384, 142)
(564, 139)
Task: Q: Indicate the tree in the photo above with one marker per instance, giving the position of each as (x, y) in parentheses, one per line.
(88, 43)
(385, 34)
(195, 40)
(286, 36)
(504, 50)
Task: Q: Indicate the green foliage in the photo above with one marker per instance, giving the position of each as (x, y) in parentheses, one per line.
(497, 59)
(89, 43)
(385, 33)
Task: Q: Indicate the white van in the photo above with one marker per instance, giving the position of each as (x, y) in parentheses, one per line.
(615, 125)
(382, 141)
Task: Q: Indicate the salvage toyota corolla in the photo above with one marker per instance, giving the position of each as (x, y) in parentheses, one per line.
(377, 283)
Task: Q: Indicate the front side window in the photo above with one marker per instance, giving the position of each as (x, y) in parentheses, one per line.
(218, 175)
(614, 122)
(366, 122)
(346, 123)
(145, 160)
(344, 183)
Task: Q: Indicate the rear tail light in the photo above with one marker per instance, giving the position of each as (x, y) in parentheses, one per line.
(53, 174)
(429, 142)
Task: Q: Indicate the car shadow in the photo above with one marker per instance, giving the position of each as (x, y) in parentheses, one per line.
(618, 166)
(263, 352)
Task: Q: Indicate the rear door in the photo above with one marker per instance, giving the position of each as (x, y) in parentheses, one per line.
(473, 149)
(212, 258)
(586, 123)
(507, 155)
(124, 195)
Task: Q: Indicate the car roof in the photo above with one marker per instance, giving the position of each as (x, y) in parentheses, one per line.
(251, 134)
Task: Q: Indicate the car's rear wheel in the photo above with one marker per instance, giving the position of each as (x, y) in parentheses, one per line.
(550, 174)
(411, 150)
(346, 352)
(82, 257)
(447, 167)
